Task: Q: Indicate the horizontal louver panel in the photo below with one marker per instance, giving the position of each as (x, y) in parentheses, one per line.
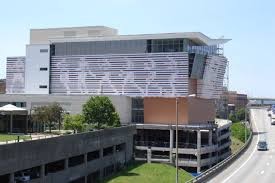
(144, 74)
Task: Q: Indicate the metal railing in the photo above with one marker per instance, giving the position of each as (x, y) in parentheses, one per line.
(218, 167)
(32, 137)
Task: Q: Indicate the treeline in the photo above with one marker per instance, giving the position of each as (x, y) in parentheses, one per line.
(97, 113)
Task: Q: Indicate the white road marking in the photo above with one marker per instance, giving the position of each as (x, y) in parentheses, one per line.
(262, 172)
(254, 150)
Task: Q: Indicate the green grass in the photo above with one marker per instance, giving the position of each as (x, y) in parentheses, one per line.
(8, 137)
(238, 131)
(149, 173)
(236, 144)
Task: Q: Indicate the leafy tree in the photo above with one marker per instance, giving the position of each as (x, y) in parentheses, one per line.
(40, 115)
(232, 117)
(74, 122)
(55, 112)
(48, 114)
(100, 111)
(240, 114)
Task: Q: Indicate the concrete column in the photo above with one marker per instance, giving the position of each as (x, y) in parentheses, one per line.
(149, 155)
(85, 159)
(114, 149)
(66, 166)
(210, 143)
(171, 145)
(11, 121)
(42, 173)
(26, 123)
(199, 151)
(101, 153)
(210, 134)
(11, 179)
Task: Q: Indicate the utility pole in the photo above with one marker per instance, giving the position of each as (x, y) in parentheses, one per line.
(245, 119)
(177, 156)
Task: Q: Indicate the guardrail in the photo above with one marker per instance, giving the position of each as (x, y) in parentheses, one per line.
(221, 165)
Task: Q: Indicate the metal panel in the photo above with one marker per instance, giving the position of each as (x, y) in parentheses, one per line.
(211, 86)
(143, 74)
(15, 75)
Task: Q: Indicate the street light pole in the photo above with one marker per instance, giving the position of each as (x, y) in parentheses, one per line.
(245, 119)
(177, 157)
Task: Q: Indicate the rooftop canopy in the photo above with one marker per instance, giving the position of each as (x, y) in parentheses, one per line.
(13, 109)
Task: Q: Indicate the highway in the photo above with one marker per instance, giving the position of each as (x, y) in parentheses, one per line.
(253, 165)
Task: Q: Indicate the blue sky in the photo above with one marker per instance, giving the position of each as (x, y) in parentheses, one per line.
(249, 23)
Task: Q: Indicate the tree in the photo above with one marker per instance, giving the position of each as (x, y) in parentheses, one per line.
(40, 115)
(232, 117)
(74, 122)
(100, 111)
(240, 114)
(55, 114)
(48, 114)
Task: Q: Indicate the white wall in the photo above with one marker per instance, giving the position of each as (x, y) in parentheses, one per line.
(33, 76)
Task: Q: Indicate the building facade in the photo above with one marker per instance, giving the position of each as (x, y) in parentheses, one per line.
(230, 102)
(152, 70)
(2, 86)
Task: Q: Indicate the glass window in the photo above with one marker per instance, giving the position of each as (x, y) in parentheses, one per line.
(43, 68)
(43, 50)
(43, 86)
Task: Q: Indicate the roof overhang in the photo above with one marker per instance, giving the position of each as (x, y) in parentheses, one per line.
(197, 37)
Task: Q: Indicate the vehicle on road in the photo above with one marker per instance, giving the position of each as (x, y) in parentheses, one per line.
(262, 145)
(22, 177)
(273, 122)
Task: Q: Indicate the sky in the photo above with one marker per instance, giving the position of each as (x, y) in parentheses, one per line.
(249, 23)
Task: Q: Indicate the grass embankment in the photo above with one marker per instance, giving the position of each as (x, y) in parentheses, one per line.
(149, 173)
(236, 144)
(8, 137)
(238, 135)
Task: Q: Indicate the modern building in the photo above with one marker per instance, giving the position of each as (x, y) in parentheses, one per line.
(149, 70)
(2, 86)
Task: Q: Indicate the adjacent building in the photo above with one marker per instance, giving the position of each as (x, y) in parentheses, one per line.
(2, 86)
(229, 102)
(150, 74)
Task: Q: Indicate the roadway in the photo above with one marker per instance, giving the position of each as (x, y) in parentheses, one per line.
(253, 165)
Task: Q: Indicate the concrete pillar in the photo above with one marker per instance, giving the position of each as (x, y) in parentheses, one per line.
(199, 151)
(171, 145)
(85, 159)
(11, 121)
(42, 173)
(210, 143)
(11, 178)
(114, 149)
(66, 166)
(27, 124)
(210, 134)
(101, 153)
(149, 155)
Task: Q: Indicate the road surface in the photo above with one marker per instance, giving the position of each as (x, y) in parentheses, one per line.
(253, 165)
